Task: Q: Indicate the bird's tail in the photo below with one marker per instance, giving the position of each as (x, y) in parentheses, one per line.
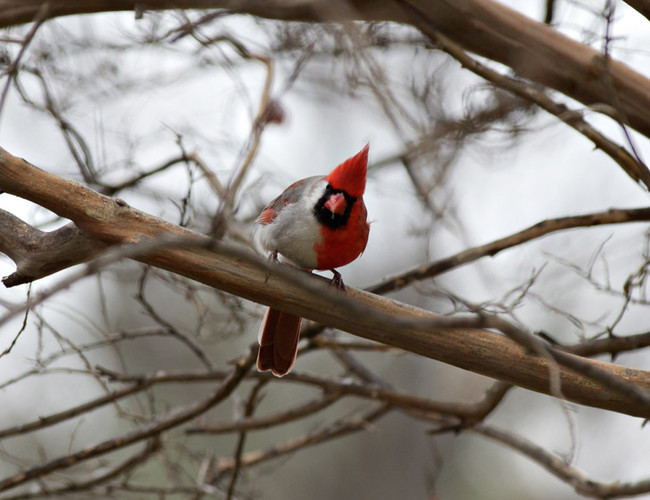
(278, 339)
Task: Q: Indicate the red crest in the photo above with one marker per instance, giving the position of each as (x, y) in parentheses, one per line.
(350, 176)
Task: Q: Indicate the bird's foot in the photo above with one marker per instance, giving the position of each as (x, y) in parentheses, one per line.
(273, 257)
(337, 280)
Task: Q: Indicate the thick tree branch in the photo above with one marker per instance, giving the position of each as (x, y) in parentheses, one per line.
(37, 253)
(532, 49)
(357, 312)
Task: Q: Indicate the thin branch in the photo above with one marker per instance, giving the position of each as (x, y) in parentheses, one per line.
(559, 468)
(335, 430)
(169, 328)
(77, 145)
(12, 70)
(612, 216)
(227, 202)
(631, 164)
(75, 411)
(155, 428)
(210, 176)
(124, 468)
(20, 331)
(251, 405)
(614, 98)
(612, 345)
(112, 189)
(248, 423)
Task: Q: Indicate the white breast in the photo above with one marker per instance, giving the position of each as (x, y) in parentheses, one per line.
(294, 231)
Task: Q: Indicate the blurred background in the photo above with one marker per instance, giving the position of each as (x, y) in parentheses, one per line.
(454, 163)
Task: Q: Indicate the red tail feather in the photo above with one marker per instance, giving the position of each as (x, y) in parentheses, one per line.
(278, 339)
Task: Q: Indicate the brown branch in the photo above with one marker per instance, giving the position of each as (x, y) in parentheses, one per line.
(249, 409)
(123, 468)
(559, 468)
(469, 412)
(338, 429)
(335, 389)
(341, 427)
(369, 316)
(613, 344)
(532, 49)
(535, 51)
(612, 216)
(112, 189)
(152, 430)
(249, 423)
(43, 422)
(631, 164)
(38, 254)
(209, 175)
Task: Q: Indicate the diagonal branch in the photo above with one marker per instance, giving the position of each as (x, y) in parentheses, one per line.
(612, 216)
(631, 164)
(339, 428)
(561, 469)
(369, 316)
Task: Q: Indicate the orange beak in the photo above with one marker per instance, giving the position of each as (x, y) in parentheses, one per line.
(336, 204)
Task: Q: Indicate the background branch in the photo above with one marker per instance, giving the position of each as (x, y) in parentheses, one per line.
(534, 50)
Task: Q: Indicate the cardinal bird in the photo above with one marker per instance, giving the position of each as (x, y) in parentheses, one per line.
(316, 223)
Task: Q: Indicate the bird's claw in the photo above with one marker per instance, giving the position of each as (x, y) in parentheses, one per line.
(273, 257)
(337, 280)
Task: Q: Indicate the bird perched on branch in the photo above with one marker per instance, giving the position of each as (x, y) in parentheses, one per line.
(316, 223)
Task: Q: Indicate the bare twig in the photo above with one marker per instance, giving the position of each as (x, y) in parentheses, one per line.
(561, 469)
(13, 68)
(612, 216)
(248, 423)
(155, 428)
(610, 345)
(337, 429)
(169, 327)
(251, 405)
(631, 164)
(20, 331)
(124, 468)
